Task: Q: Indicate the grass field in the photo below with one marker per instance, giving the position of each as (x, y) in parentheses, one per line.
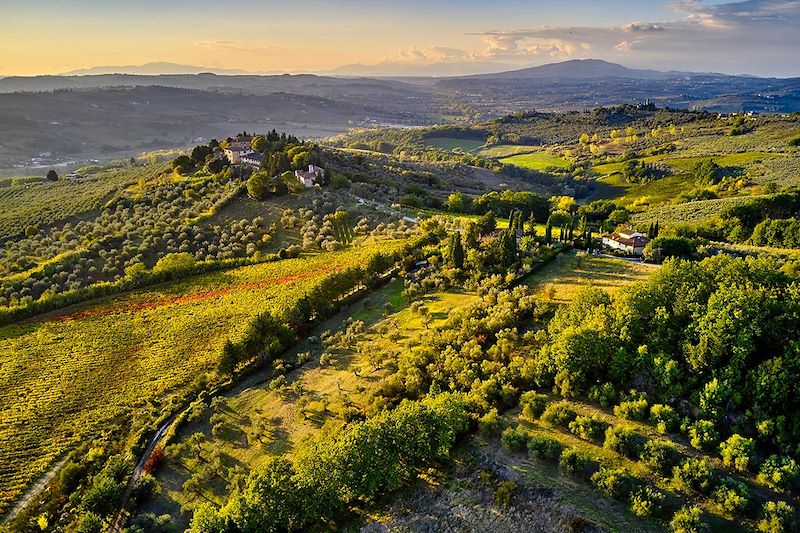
(293, 419)
(562, 279)
(506, 150)
(536, 160)
(449, 143)
(660, 191)
(70, 374)
(686, 164)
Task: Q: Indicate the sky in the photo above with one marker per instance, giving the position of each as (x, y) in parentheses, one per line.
(437, 37)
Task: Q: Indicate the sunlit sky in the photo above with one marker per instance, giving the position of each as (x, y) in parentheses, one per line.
(760, 37)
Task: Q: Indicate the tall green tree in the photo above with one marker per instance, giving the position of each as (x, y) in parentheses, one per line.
(457, 251)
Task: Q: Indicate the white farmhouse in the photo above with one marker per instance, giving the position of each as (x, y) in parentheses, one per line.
(628, 241)
(236, 150)
(311, 176)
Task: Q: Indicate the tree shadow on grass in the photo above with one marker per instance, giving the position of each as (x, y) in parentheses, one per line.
(280, 439)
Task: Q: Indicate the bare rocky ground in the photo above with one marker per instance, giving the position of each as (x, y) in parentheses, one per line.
(466, 500)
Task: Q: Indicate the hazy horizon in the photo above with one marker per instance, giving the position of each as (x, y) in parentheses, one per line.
(158, 68)
(756, 37)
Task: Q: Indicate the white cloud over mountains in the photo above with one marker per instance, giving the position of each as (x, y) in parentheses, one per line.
(754, 36)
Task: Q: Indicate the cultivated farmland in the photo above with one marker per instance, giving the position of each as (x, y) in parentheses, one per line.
(124, 360)
(47, 202)
(536, 160)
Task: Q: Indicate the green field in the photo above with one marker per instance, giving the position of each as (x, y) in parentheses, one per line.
(506, 150)
(631, 195)
(450, 143)
(562, 279)
(536, 160)
(70, 374)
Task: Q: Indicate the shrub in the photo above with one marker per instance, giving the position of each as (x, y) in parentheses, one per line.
(604, 394)
(491, 423)
(779, 517)
(504, 492)
(664, 417)
(703, 435)
(658, 457)
(533, 405)
(153, 460)
(736, 452)
(587, 427)
(174, 264)
(688, 520)
(661, 248)
(632, 410)
(613, 482)
(559, 414)
(514, 439)
(646, 501)
(622, 440)
(574, 463)
(779, 473)
(88, 523)
(732, 495)
(544, 448)
(577, 524)
(693, 475)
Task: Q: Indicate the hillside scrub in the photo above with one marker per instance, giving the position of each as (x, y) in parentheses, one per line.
(732, 301)
(358, 464)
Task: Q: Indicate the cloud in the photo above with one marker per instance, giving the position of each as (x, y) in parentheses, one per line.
(435, 54)
(515, 44)
(627, 46)
(740, 36)
(740, 14)
(754, 36)
(642, 27)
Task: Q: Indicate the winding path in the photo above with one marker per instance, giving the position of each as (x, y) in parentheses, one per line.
(34, 490)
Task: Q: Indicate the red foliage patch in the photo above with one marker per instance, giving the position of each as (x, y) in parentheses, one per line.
(153, 460)
(175, 300)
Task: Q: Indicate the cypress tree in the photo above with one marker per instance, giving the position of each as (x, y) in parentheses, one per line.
(457, 252)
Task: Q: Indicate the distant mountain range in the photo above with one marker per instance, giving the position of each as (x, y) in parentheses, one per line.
(565, 70)
(412, 70)
(583, 69)
(154, 68)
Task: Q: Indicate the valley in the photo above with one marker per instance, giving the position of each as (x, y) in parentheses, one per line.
(496, 285)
